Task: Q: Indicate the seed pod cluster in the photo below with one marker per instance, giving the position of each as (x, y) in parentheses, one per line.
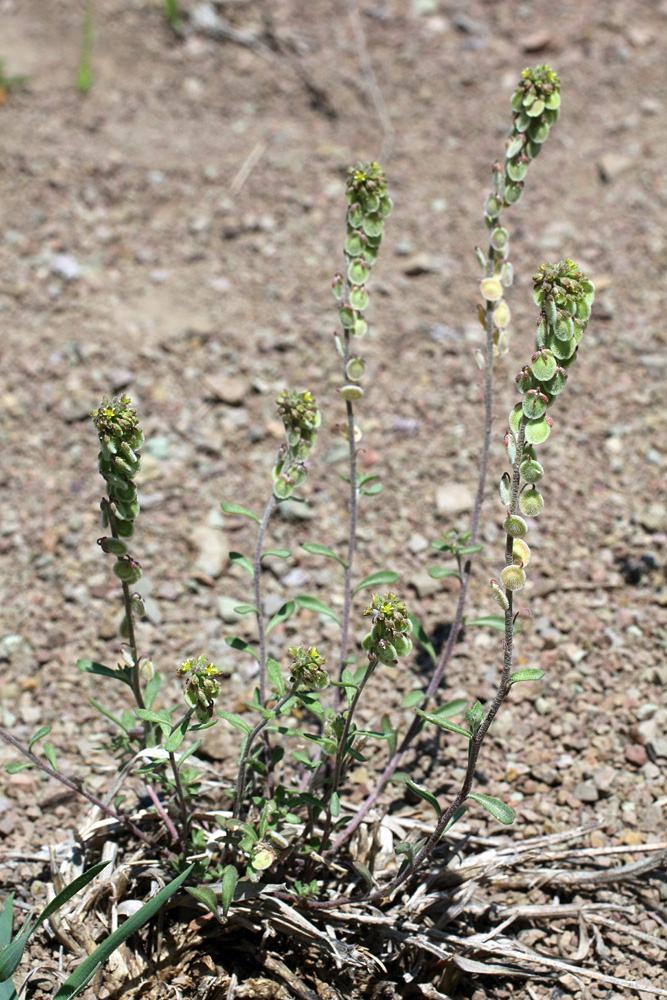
(306, 668)
(565, 297)
(201, 686)
(389, 636)
(368, 206)
(535, 104)
(119, 462)
(301, 418)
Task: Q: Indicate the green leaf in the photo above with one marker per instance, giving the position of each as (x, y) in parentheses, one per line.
(321, 550)
(90, 667)
(10, 956)
(527, 674)
(235, 720)
(440, 572)
(278, 553)
(85, 972)
(246, 609)
(240, 560)
(424, 794)
(240, 644)
(334, 805)
(372, 490)
(412, 698)
(499, 810)
(281, 615)
(443, 723)
(152, 689)
(16, 766)
(176, 737)
(455, 818)
(44, 731)
(7, 991)
(365, 873)
(50, 754)
(234, 508)
(491, 621)
(187, 753)
(419, 634)
(382, 576)
(314, 604)
(275, 675)
(160, 718)
(230, 877)
(468, 550)
(450, 708)
(204, 894)
(390, 734)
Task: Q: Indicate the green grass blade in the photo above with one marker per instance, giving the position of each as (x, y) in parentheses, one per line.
(85, 972)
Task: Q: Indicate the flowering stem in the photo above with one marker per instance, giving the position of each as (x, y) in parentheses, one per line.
(258, 597)
(247, 747)
(129, 618)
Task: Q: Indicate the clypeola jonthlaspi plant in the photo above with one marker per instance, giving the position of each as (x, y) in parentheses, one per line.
(284, 815)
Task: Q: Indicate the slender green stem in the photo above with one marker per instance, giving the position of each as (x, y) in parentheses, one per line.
(129, 617)
(182, 804)
(257, 580)
(247, 747)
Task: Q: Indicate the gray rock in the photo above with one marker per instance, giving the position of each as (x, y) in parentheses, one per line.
(586, 791)
(423, 584)
(226, 611)
(212, 550)
(453, 499)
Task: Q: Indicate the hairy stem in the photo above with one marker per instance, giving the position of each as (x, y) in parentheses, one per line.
(247, 747)
(129, 618)
(261, 631)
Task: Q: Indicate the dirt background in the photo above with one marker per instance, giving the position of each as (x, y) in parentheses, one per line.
(173, 234)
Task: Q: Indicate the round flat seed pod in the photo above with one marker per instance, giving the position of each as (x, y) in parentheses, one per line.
(544, 365)
(359, 298)
(347, 316)
(515, 526)
(535, 109)
(373, 226)
(515, 417)
(561, 349)
(513, 578)
(502, 314)
(538, 132)
(513, 193)
(491, 289)
(358, 271)
(517, 169)
(355, 216)
(564, 327)
(537, 431)
(531, 502)
(354, 244)
(515, 146)
(534, 404)
(351, 392)
(521, 550)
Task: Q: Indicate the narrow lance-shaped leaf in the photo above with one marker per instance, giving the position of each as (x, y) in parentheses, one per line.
(241, 560)
(204, 894)
(420, 635)
(499, 810)
(375, 579)
(230, 877)
(443, 723)
(234, 508)
(440, 572)
(314, 604)
(491, 621)
(527, 674)
(424, 794)
(281, 615)
(240, 644)
(322, 550)
(278, 553)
